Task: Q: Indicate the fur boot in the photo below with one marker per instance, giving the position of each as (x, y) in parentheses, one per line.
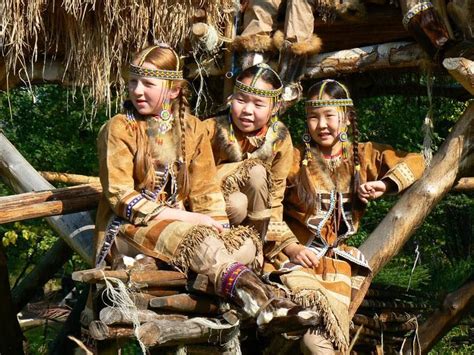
(257, 300)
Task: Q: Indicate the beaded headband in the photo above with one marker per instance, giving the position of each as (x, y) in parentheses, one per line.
(251, 89)
(329, 102)
(163, 74)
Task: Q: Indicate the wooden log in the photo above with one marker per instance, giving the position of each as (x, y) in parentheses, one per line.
(195, 330)
(393, 305)
(455, 305)
(70, 179)
(461, 69)
(464, 184)
(377, 324)
(76, 229)
(10, 331)
(100, 331)
(160, 291)
(113, 316)
(453, 160)
(49, 203)
(201, 284)
(387, 21)
(185, 303)
(43, 271)
(380, 56)
(162, 278)
(388, 317)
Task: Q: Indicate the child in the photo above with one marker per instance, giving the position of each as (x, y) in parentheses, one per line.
(253, 153)
(328, 187)
(160, 195)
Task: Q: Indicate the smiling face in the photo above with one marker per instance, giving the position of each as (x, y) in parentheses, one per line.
(251, 112)
(147, 94)
(324, 125)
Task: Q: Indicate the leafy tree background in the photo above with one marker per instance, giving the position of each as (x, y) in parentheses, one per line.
(55, 131)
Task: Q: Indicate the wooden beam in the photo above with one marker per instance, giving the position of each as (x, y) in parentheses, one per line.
(382, 24)
(43, 271)
(49, 203)
(456, 305)
(376, 57)
(454, 159)
(189, 332)
(68, 178)
(76, 229)
(163, 278)
(464, 185)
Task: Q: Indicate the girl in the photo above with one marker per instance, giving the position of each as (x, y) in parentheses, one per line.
(328, 187)
(253, 153)
(160, 194)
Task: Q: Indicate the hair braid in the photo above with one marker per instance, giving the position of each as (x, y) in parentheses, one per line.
(183, 176)
(355, 149)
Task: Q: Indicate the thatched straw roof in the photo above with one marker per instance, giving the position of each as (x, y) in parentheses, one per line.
(94, 38)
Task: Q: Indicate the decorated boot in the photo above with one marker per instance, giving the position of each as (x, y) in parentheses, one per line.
(256, 299)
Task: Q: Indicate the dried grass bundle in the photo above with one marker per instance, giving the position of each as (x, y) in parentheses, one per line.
(94, 39)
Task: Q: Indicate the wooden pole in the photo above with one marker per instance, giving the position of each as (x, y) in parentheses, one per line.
(456, 305)
(453, 159)
(49, 203)
(464, 185)
(76, 229)
(49, 264)
(188, 332)
(375, 57)
(163, 278)
(71, 179)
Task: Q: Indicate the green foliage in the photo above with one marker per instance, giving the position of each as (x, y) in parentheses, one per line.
(51, 129)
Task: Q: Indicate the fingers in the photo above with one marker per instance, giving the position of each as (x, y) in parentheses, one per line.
(313, 258)
(218, 226)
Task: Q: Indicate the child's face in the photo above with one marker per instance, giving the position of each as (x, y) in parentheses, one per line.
(147, 94)
(250, 112)
(324, 127)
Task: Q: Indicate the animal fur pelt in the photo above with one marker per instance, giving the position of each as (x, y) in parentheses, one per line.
(263, 152)
(255, 43)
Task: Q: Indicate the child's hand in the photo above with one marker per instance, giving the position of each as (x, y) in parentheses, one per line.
(371, 190)
(301, 255)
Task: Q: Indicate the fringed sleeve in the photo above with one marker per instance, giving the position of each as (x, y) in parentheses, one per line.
(381, 162)
(205, 194)
(117, 146)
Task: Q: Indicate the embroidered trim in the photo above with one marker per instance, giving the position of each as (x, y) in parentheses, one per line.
(162, 74)
(128, 211)
(272, 93)
(109, 238)
(230, 277)
(415, 10)
(329, 102)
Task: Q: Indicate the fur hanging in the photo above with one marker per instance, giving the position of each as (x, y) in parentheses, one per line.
(331, 327)
(254, 43)
(310, 47)
(278, 39)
